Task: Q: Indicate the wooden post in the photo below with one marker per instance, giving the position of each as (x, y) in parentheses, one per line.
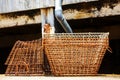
(47, 17)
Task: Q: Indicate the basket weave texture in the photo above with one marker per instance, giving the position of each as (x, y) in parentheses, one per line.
(75, 53)
(25, 59)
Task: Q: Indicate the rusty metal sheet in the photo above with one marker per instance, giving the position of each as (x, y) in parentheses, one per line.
(7, 6)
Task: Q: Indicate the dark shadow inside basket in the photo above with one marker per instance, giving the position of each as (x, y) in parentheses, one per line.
(47, 68)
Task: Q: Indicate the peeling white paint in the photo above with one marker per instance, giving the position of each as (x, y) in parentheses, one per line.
(107, 11)
(74, 14)
(104, 11)
(116, 9)
(7, 21)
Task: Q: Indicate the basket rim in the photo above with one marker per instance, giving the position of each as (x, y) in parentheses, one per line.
(81, 33)
(76, 35)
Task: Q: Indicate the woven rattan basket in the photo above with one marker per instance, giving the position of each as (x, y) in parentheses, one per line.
(72, 54)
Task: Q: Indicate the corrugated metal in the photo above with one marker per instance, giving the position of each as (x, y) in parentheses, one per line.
(20, 5)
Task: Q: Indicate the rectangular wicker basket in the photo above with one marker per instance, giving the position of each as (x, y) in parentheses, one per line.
(72, 54)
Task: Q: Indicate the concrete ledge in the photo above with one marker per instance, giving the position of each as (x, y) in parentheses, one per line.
(100, 77)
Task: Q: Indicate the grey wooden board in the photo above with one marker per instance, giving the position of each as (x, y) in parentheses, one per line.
(7, 6)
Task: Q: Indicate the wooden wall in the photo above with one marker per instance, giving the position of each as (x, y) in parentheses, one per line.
(7, 6)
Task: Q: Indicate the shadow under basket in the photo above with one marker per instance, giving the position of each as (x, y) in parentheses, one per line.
(74, 54)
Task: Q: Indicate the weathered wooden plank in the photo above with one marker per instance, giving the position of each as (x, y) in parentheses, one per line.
(7, 6)
(69, 14)
(47, 17)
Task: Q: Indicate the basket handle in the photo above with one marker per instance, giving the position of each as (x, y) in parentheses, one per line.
(109, 49)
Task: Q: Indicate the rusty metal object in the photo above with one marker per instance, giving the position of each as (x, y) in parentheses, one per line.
(75, 54)
(26, 58)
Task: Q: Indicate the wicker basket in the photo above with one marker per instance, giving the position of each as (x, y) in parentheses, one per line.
(75, 53)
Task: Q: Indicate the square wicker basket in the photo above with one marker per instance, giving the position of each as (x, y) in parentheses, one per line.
(73, 54)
